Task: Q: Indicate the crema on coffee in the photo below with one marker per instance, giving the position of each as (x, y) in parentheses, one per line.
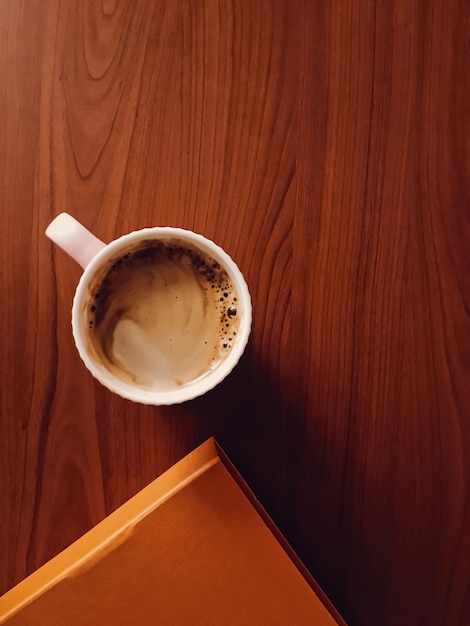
(162, 315)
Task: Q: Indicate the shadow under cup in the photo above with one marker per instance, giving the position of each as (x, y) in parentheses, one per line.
(161, 315)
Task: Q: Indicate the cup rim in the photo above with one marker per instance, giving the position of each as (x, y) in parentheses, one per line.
(194, 388)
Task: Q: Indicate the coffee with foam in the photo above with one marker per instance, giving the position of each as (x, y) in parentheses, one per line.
(162, 315)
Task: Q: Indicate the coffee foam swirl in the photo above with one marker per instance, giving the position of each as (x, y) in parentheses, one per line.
(159, 317)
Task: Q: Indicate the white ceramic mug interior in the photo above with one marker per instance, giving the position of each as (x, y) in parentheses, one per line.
(93, 255)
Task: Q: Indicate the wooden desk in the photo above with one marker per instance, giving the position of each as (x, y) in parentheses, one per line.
(325, 146)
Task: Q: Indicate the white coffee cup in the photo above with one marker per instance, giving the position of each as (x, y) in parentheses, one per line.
(95, 256)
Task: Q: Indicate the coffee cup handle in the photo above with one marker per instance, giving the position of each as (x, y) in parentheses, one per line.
(74, 239)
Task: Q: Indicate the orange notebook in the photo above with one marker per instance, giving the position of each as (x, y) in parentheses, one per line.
(194, 547)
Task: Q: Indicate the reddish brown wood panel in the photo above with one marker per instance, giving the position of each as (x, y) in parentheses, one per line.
(325, 147)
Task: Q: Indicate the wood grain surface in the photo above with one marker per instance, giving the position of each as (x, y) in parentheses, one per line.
(325, 146)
